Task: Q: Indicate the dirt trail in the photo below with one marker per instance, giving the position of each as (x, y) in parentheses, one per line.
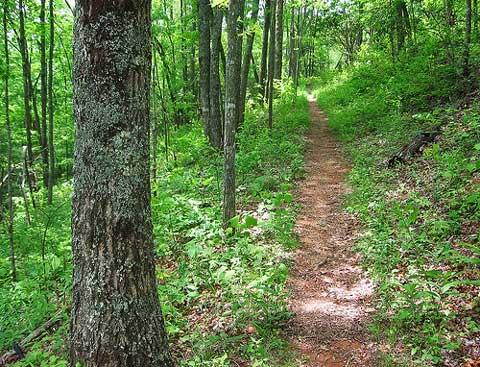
(330, 293)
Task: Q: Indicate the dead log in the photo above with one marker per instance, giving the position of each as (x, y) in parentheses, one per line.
(411, 149)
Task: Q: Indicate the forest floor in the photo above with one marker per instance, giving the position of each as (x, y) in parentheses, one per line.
(331, 294)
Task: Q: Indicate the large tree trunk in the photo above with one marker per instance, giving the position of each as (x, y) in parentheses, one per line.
(232, 90)
(116, 319)
(6, 79)
(264, 57)
(204, 15)
(247, 57)
(216, 121)
(278, 40)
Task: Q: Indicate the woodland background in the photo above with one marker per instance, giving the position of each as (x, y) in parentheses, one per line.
(385, 71)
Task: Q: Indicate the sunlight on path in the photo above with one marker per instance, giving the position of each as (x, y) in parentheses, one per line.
(331, 294)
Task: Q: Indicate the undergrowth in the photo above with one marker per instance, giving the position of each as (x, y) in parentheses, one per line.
(420, 238)
(222, 291)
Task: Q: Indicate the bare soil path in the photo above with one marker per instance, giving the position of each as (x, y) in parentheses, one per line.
(331, 294)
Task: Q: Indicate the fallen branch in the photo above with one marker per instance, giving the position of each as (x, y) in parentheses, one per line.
(19, 348)
(411, 149)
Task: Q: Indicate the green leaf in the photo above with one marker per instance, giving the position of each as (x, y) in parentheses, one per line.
(235, 222)
(250, 221)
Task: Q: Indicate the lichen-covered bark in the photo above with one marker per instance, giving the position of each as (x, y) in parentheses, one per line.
(232, 92)
(116, 319)
(216, 122)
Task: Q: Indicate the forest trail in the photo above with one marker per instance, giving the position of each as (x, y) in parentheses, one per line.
(331, 294)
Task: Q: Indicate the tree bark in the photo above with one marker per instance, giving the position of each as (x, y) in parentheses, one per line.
(247, 57)
(475, 19)
(27, 92)
(6, 78)
(264, 56)
(298, 49)
(216, 120)
(468, 38)
(278, 40)
(43, 93)
(116, 319)
(291, 44)
(204, 15)
(232, 90)
(51, 148)
(271, 65)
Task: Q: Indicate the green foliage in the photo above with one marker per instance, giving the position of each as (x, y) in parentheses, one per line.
(218, 283)
(222, 290)
(420, 239)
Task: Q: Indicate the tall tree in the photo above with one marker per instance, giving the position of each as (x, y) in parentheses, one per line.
(115, 319)
(6, 79)
(468, 38)
(278, 39)
(27, 88)
(247, 57)
(291, 44)
(43, 92)
(51, 148)
(271, 65)
(215, 116)
(204, 15)
(232, 91)
(264, 56)
(475, 19)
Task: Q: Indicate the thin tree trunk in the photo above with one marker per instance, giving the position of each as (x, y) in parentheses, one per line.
(247, 57)
(51, 147)
(264, 57)
(232, 90)
(204, 15)
(291, 53)
(475, 19)
(400, 25)
(255, 71)
(468, 38)
(115, 319)
(26, 181)
(278, 40)
(27, 93)
(216, 121)
(271, 65)
(449, 22)
(193, 71)
(298, 49)
(8, 126)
